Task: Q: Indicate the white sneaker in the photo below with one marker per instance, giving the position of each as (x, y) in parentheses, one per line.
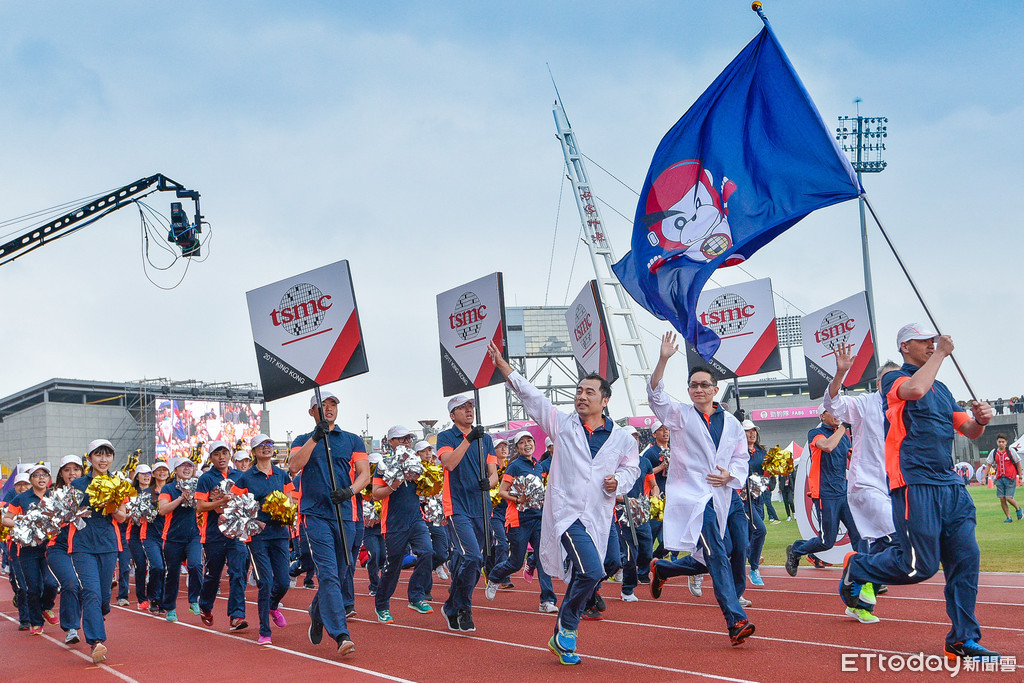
(441, 573)
(491, 590)
(548, 608)
(71, 637)
(694, 583)
(745, 603)
(618, 576)
(629, 597)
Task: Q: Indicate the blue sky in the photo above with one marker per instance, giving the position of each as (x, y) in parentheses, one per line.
(416, 140)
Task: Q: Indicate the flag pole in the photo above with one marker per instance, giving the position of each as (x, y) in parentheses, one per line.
(917, 292)
(756, 7)
(486, 495)
(333, 477)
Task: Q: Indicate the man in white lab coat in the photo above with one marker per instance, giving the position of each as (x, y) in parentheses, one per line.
(594, 460)
(703, 512)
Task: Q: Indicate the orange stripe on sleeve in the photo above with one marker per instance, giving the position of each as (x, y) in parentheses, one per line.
(959, 418)
(359, 456)
(165, 497)
(203, 495)
(289, 487)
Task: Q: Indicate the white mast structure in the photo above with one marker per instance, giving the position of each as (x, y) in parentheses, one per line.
(617, 303)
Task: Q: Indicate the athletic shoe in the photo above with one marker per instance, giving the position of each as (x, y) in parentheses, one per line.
(744, 602)
(350, 611)
(239, 624)
(792, 561)
(657, 583)
(755, 578)
(592, 614)
(740, 631)
(264, 640)
(373, 592)
(775, 521)
(23, 626)
(316, 630)
(970, 649)
(172, 615)
(194, 608)
(345, 646)
(818, 564)
(206, 617)
(862, 615)
(50, 617)
(564, 657)
(882, 590)
(695, 584)
(310, 585)
(1020, 513)
(384, 616)
(548, 607)
(71, 637)
(564, 639)
(852, 593)
(599, 602)
(144, 605)
(36, 631)
(429, 597)
(618, 577)
(421, 606)
(490, 590)
(528, 574)
(508, 585)
(99, 653)
(643, 580)
(157, 610)
(453, 621)
(278, 618)
(441, 573)
(867, 594)
(1007, 521)
(122, 602)
(629, 597)
(466, 620)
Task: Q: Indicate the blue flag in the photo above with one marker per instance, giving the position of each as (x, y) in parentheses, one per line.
(748, 160)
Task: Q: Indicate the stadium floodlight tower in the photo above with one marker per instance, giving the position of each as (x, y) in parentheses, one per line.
(616, 301)
(863, 139)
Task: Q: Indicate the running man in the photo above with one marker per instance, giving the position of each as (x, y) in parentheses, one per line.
(1005, 464)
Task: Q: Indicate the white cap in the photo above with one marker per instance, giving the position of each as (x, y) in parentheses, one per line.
(258, 440)
(821, 410)
(914, 331)
(70, 460)
(456, 401)
(216, 445)
(143, 469)
(374, 458)
(93, 445)
(630, 429)
(35, 468)
(21, 477)
(499, 441)
(324, 395)
(548, 442)
(241, 455)
(521, 435)
(398, 431)
(179, 461)
(421, 446)
(747, 424)
(161, 463)
(656, 426)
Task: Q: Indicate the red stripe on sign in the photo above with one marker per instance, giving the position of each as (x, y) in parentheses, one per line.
(602, 364)
(861, 362)
(483, 376)
(760, 351)
(341, 353)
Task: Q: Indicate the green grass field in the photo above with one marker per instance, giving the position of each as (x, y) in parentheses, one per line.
(1002, 545)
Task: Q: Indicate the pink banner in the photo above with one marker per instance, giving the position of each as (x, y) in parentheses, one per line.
(784, 413)
(642, 422)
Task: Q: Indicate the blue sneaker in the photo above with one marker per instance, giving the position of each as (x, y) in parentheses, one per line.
(565, 639)
(755, 577)
(564, 657)
(194, 608)
(172, 615)
(970, 649)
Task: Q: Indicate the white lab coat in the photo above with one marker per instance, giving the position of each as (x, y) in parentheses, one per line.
(576, 480)
(693, 457)
(867, 483)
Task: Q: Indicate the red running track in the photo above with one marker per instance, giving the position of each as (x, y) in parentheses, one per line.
(802, 633)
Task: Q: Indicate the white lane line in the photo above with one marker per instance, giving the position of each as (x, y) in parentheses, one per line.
(297, 653)
(77, 653)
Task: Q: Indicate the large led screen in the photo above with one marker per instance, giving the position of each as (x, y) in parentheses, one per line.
(181, 425)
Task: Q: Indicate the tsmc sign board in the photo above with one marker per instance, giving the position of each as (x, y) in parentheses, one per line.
(470, 317)
(844, 322)
(743, 316)
(306, 331)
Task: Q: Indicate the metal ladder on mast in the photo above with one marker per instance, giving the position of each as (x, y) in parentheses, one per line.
(616, 302)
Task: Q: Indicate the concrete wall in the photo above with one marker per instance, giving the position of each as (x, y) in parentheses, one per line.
(49, 431)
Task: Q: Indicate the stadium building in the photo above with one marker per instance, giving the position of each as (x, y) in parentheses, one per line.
(157, 417)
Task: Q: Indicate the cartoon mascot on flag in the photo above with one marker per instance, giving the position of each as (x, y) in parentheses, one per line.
(685, 211)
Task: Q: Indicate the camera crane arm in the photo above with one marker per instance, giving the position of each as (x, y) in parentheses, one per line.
(182, 233)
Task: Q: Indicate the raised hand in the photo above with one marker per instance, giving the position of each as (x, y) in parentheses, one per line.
(844, 358)
(668, 345)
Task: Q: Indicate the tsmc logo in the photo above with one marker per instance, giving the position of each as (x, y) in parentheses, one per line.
(467, 316)
(302, 309)
(835, 329)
